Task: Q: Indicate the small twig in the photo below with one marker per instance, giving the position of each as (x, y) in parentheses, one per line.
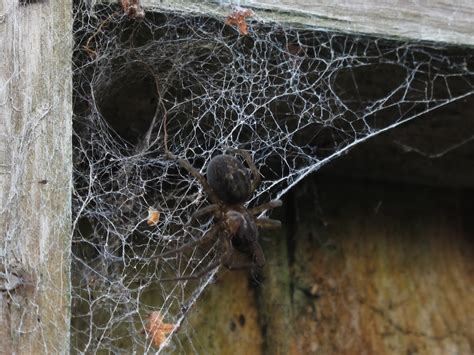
(86, 47)
(165, 114)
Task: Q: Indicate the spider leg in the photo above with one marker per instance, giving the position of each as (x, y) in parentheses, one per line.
(201, 212)
(196, 174)
(190, 245)
(226, 256)
(258, 258)
(239, 266)
(268, 223)
(257, 261)
(248, 159)
(195, 276)
(265, 206)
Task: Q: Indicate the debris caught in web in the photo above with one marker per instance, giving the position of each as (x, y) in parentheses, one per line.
(133, 9)
(157, 329)
(238, 19)
(153, 217)
(295, 98)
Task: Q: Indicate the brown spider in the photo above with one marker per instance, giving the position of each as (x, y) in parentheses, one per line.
(228, 186)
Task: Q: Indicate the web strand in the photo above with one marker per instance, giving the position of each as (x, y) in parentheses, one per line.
(194, 87)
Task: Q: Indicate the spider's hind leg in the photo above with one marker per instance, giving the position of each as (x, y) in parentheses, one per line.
(195, 276)
(209, 235)
(202, 212)
(268, 223)
(258, 257)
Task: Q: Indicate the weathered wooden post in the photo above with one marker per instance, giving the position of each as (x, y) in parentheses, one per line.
(35, 175)
(364, 264)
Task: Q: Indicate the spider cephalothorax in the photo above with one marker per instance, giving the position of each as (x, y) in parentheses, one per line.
(229, 179)
(229, 185)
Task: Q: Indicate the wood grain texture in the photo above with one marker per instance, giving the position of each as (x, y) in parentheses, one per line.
(429, 20)
(388, 269)
(369, 268)
(35, 175)
(225, 319)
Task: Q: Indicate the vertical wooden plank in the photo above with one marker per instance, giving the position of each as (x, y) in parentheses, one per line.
(35, 175)
(390, 273)
(274, 293)
(225, 321)
(374, 269)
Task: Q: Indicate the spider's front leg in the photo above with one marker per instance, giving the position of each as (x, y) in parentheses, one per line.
(195, 276)
(196, 174)
(226, 257)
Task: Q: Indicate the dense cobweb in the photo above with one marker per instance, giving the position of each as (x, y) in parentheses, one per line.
(294, 98)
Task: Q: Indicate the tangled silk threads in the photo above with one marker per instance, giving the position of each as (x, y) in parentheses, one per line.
(294, 98)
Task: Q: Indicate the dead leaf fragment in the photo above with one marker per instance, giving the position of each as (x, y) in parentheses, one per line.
(158, 330)
(133, 9)
(237, 18)
(153, 217)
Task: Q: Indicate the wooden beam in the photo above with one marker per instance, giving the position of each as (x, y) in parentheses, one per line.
(428, 20)
(384, 269)
(35, 176)
(373, 269)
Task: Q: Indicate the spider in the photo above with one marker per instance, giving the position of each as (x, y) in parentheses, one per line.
(228, 186)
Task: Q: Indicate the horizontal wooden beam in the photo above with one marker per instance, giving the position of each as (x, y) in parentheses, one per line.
(428, 20)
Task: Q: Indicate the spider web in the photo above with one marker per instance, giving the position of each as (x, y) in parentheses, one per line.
(294, 98)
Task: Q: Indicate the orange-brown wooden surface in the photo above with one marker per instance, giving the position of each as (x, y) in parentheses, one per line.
(371, 269)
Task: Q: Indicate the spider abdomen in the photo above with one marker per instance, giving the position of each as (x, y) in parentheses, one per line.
(244, 233)
(229, 179)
